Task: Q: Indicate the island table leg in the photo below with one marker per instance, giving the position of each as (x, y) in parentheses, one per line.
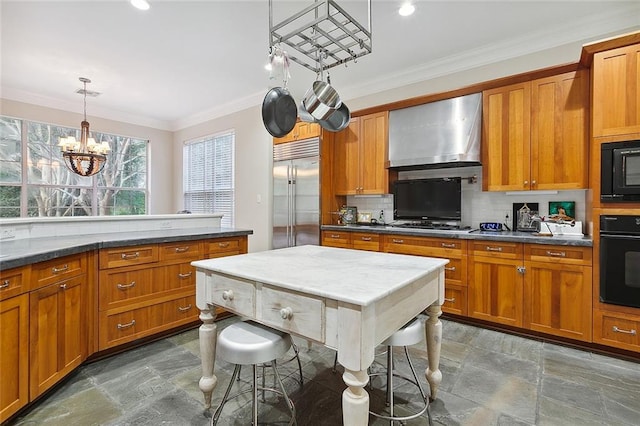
(434, 341)
(208, 337)
(355, 400)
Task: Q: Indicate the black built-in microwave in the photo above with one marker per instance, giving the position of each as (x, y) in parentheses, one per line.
(620, 172)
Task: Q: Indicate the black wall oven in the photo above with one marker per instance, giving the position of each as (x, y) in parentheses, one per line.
(620, 260)
(620, 171)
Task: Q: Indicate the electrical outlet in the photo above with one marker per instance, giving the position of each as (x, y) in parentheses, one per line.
(166, 224)
(6, 233)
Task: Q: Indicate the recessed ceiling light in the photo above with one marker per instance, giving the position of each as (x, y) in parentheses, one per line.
(406, 9)
(140, 4)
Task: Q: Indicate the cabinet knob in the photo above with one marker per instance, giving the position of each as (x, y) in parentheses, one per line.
(452, 268)
(63, 286)
(286, 313)
(63, 268)
(453, 299)
(185, 308)
(131, 324)
(126, 286)
(521, 269)
(5, 284)
(183, 276)
(227, 295)
(533, 182)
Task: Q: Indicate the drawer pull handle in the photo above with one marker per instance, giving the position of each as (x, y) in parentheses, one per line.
(182, 249)
(227, 295)
(64, 268)
(445, 245)
(184, 309)
(63, 286)
(620, 330)
(286, 313)
(126, 286)
(5, 284)
(398, 241)
(335, 235)
(223, 245)
(493, 248)
(123, 326)
(366, 238)
(130, 255)
(453, 299)
(452, 268)
(556, 253)
(183, 276)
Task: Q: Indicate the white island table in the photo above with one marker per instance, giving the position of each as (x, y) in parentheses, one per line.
(348, 300)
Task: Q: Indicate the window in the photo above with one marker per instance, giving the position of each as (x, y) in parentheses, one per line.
(35, 182)
(208, 180)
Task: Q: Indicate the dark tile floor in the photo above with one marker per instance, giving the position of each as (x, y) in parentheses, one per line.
(489, 378)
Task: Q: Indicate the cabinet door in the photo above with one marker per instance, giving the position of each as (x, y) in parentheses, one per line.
(57, 332)
(558, 299)
(616, 91)
(559, 131)
(14, 358)
(495, 290)
(506, 118)
(346, 159)
(374, 131)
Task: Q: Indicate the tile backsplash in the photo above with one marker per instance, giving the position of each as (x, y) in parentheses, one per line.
(477, 206)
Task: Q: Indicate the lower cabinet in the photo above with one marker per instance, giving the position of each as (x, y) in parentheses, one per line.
(616, 329)
(57, 329)
(495, 282)
(14, 356)
(336, 239)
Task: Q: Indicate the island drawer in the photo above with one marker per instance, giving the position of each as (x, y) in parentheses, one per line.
(128, 256)
(221, 247)
(14, 282)
(569, 255)
(181, 251)
(118, 327)
(293, 312)
(232, 294)
(63, 268)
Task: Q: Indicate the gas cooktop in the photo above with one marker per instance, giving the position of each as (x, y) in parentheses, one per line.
(433, 226)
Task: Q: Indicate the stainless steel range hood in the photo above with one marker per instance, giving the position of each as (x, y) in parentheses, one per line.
(438, 134)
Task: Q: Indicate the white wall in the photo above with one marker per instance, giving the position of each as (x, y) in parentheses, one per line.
(253, 166)
(161, 179)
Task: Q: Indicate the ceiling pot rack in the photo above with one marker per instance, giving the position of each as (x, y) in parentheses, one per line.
(325, 27)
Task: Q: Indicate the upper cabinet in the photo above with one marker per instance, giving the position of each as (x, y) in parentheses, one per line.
(302, 130)
(360, 156)
(535, 134)
(616, 91)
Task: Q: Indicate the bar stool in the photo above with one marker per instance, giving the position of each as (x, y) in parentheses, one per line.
(250, 343)
(410, 334)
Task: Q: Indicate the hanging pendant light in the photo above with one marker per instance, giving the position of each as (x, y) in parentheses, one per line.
(84, 157)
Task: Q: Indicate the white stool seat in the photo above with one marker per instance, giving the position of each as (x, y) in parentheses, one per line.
(248, 342)
(410, 334)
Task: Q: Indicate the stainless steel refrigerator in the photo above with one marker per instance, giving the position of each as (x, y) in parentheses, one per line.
(296, 193)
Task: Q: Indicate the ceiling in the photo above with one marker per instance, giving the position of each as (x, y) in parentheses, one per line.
(183, 62)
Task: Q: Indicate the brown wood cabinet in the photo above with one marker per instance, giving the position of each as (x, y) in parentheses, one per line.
(360, 156)
(302, 130)
(455, 271)
(616, 329)
(14, 359)
(495, 282)
(558, 290)
(57, 331)
(336, 239)
(616, 92)
(536, 134)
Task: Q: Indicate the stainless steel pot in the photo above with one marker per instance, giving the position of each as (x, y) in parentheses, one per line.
(338, 120)
(321, 100)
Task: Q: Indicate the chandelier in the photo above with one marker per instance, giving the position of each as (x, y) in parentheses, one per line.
(85, 157)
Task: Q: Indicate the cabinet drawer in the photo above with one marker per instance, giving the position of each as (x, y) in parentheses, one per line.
(223, 247)
(181, 251)
(232, 294)
(128, 256)
(336, 239)
(615, 329)
(45, 273)
(455, 299)
(122, 327)
(558, 254)
(497, 249)
(14, 282)
(293, 312)
(363, 241)
(433, 247)
(454, 272)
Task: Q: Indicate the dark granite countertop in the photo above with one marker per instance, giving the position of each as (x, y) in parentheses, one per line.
(16, 253)
(520, 237)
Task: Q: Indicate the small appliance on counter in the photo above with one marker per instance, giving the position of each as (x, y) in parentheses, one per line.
(491, 226)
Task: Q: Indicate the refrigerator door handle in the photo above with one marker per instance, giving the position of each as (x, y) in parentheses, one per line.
(293, 206)
(289, 173)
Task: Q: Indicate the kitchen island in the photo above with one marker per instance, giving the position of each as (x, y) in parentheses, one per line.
(348, 300)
